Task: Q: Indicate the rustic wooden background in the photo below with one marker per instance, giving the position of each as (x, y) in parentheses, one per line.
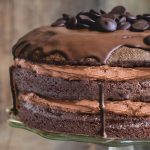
(20, 16)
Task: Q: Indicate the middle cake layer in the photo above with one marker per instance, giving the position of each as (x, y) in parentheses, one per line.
(58, 88)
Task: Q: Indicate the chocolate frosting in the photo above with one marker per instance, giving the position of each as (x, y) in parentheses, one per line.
(76, 46)
(80, 72)
(126, 107)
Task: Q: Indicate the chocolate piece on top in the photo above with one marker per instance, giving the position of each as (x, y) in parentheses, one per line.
(89, 19)
(147, 40)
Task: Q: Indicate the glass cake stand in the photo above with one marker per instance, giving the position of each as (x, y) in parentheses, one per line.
(113, 144)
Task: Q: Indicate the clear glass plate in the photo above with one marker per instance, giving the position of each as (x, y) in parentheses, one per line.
(14, 122)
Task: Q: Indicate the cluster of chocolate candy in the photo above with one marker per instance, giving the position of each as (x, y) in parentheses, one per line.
(117, 19)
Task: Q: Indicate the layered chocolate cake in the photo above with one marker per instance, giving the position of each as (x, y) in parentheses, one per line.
(88, 74)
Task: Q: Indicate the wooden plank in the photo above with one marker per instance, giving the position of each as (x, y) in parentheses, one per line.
(4, 56)
(134, 6)
(29, 14)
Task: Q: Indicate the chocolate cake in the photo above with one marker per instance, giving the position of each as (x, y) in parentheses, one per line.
(86, 74)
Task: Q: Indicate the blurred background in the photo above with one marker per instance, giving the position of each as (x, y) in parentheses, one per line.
(18, 17)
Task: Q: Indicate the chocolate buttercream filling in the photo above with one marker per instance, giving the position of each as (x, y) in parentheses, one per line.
(126, 107)
(80, 72)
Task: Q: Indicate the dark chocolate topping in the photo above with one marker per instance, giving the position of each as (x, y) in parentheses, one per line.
(147, 40)
(62, 46)
(107, 22)
(140, 25)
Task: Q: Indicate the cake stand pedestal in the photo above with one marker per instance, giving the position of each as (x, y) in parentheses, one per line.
(121, 148)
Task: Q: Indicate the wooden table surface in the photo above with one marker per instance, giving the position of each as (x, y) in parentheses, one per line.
(17, 17)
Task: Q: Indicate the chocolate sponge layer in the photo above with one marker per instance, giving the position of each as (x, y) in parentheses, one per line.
(59, 88)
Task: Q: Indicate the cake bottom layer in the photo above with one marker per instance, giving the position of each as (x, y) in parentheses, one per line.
(55, 120)
(41, 116)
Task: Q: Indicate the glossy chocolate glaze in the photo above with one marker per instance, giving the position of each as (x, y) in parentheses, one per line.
(76, 45)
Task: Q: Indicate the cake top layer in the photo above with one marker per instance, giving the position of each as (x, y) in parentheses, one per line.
(59, 45)
(63, 46)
